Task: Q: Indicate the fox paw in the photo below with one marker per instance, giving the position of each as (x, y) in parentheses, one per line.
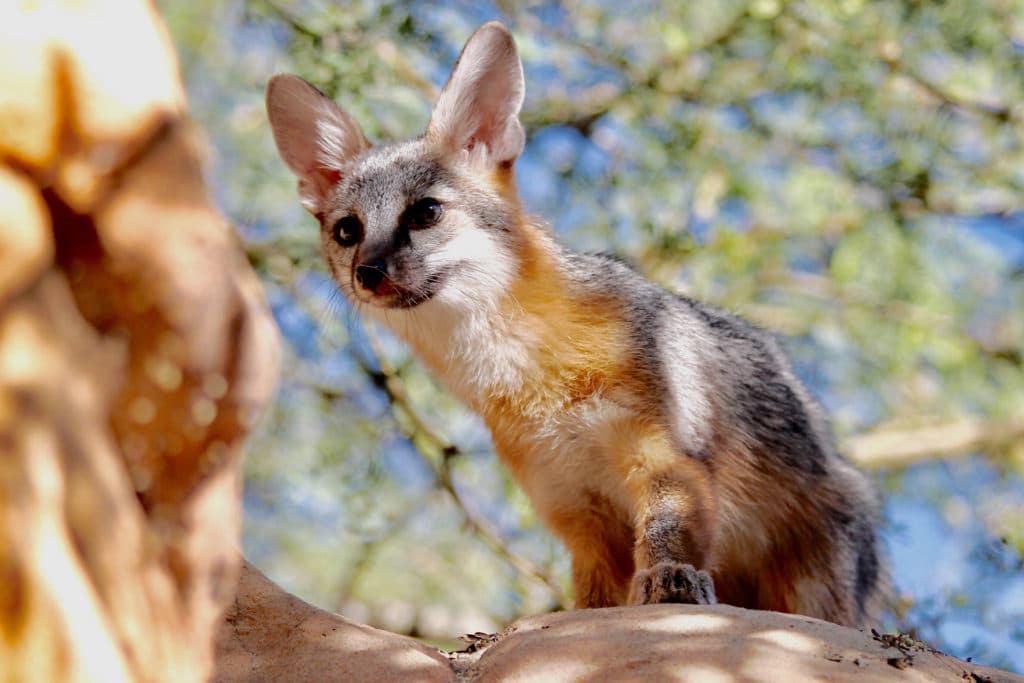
(673, 582)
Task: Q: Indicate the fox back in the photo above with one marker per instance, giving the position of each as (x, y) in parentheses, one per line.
(666, 442)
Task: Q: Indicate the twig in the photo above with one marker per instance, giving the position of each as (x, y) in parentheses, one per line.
(293, 23)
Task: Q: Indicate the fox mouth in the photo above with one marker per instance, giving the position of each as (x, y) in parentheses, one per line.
(391, 294)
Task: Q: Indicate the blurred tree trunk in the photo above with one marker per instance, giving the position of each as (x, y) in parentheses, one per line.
(135, 351)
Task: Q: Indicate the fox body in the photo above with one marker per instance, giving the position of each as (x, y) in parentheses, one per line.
(667, 443)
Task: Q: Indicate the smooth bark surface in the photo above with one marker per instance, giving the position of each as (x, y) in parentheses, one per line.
(269, 635)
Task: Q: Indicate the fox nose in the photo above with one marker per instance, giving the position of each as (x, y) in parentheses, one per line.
(371, 274)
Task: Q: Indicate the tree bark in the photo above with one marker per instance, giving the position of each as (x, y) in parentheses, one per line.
(269, 635)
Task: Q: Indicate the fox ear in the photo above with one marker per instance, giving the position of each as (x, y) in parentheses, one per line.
(314, 137)
(478, 110)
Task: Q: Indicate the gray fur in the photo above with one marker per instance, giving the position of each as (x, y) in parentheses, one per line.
(379, 186)
(739, 373)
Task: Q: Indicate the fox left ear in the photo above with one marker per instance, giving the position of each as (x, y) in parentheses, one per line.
(478, 110)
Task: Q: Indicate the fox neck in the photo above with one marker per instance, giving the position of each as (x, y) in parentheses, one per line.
(525, 348)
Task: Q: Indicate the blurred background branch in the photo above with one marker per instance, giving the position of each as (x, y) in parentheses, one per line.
(895, 447)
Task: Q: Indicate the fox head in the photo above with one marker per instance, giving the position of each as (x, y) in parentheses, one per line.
(430, 219)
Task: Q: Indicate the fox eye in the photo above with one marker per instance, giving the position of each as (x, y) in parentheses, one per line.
(348, 231)
(423, 214)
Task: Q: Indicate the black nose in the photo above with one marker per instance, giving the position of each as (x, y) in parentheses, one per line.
(370, 275)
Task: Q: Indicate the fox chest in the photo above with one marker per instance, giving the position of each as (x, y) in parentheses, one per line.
(567, 459)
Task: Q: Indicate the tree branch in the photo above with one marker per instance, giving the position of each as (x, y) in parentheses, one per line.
(892, 447)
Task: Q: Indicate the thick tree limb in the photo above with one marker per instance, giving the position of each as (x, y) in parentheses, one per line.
(269, 635)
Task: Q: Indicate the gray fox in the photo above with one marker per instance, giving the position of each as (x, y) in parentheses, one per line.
(666, 442)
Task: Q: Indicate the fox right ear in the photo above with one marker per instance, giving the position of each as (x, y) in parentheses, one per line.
(314, 136)
(477, 113)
